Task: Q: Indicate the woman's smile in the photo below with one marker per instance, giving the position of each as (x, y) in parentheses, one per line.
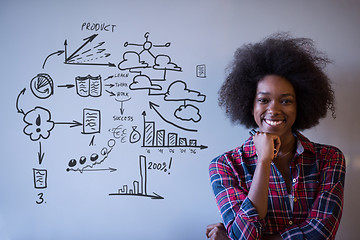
(275, 105)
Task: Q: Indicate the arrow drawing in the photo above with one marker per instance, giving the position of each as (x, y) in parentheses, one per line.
(153, 106)
(155, 196)
(87, 40)
(122, 105)
(110, 92)
(67, 85)
(140, 187)
(19, 110)
(77, 55)
(108, 78)
(54, 53)
(97, 170)
(40, 154)
(93, 64)
(72, 124)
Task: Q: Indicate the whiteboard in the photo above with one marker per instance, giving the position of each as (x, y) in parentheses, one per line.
(110, 114)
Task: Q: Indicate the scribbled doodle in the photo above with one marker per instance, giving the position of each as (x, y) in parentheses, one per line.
(135, 135)
(139, 186)
(141, 67)
(122, 110)
(91, 121)
(83, 163)
(188, 113)
(58, 53)
(163, 62)
(155, 107)
(146, 47)
(178, 91)
(158, 138)
(42, 86)
(201, 71)
(119, 133)
(141, 82)
(39, 123)
(40, 178)
(85, 55)
(88, 86)
(160, 167)
(131, 60)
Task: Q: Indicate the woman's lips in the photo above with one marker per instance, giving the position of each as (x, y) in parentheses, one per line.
(274, 123)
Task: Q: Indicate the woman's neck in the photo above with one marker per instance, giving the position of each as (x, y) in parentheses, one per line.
(288, 144)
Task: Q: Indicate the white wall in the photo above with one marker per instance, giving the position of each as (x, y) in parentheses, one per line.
(76, 205)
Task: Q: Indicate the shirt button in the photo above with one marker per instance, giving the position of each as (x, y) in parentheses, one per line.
(290, 222)
(294, 180)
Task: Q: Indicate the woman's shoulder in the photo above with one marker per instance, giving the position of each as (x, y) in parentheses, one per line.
(323, 152)
(237, 154)
(316, 147)
(228, 155)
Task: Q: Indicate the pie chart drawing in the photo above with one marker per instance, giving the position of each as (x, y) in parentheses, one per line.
(42, 86)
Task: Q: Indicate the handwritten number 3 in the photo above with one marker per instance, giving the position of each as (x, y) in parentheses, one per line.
(41, 199)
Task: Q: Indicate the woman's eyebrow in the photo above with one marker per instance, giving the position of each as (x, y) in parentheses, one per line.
(263, 93)
(282, 95)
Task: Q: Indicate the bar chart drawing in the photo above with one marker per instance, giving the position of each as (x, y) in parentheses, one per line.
(139, 186)
(159, 138)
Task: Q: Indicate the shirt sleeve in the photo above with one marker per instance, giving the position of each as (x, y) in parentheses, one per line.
(324, 218)
(239, 215)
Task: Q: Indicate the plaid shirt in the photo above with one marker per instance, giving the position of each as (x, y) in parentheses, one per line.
(318, 175)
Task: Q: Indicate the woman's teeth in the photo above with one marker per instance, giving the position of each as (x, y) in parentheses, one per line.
(273, 123)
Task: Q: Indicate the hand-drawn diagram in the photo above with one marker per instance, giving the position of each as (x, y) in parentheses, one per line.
(87, 56)
(87, 163)
(139, 187)
(139, 69)
(201, 71)
(88, 86)
(38, 123)
(40, 178)
(158, 138)
(42, 86)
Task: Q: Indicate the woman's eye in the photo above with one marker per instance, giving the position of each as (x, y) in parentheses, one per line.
(286, 101)
(263, 100)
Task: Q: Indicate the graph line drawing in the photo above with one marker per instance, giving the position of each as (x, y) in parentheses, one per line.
(143, 66)
(139, 186)
(87, 163)
(86, 57)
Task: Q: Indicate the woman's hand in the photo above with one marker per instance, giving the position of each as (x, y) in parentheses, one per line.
(265, 143)
(216, 231)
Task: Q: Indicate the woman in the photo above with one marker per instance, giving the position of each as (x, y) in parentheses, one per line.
(278, 184)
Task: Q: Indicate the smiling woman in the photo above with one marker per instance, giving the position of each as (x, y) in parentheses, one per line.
(275, 105)
(278, 86)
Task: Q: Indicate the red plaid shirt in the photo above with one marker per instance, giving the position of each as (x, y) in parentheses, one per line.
(318, 175)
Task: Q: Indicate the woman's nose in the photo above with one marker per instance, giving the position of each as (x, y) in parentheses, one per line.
(273, 108)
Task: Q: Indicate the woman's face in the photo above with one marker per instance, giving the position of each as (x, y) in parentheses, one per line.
(275, 105)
